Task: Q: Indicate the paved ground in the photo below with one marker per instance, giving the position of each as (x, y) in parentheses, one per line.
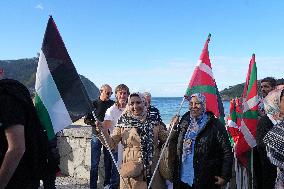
(71, 183)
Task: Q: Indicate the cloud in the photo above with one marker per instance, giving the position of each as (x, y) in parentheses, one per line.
(39, 6)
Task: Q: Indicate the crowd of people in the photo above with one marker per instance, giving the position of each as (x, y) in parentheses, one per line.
(132, 134)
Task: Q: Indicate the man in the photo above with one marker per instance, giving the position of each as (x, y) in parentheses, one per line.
(16, 112)
(280, 83)
(110, 120)
(267, 84)
(153, 111)
(100, 107)
(262, 165)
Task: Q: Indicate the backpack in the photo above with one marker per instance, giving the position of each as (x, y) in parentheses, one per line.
(36, 140)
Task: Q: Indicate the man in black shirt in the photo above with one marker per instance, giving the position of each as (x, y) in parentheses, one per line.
(100, 106)
(265, 171)
(14, 110)
(153, 111)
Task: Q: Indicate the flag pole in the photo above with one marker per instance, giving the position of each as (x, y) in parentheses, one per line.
(111, 154)
(165, 145)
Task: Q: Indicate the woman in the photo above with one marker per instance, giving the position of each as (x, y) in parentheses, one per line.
(201, 147)
(139, 135)
(274, 109)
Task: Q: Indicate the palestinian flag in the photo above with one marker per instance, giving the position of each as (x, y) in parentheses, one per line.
(249, 115)
(60, 95)
(202, 81)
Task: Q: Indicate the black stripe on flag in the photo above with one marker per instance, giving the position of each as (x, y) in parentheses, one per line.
(64, 73)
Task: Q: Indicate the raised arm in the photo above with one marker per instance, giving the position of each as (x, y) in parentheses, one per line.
(112, 139)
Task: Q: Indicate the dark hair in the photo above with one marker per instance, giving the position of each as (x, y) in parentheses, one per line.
(280, 81)
(134, 94)
(270, 80)
(122, 87)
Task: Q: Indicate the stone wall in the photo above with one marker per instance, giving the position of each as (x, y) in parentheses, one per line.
(75, 151)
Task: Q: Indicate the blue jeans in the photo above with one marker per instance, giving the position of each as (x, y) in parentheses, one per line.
(111, 174)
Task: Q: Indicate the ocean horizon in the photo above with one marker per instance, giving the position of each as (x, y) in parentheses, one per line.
(168, 107)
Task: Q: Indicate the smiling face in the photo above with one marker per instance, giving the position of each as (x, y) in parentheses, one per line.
(136, 105)
(106, 93)
(195, 107)
(121, 97)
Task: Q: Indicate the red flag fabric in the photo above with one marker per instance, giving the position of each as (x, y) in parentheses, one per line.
(233, 128)
(248, 117)
(1, 73)
(202, 81)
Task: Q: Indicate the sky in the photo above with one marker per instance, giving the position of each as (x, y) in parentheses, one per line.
(151, 45)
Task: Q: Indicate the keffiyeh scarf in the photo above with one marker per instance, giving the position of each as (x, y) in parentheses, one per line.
(144, 125)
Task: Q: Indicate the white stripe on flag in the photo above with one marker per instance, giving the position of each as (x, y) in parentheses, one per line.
(232, 124)
(47, 91)
(250, 103)
(205, 68)
(247, 134)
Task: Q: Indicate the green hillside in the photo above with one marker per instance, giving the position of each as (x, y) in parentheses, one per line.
(237, 90)
(24, 70)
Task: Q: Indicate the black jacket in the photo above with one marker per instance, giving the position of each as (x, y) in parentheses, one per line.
(213, 154)
(264, 180)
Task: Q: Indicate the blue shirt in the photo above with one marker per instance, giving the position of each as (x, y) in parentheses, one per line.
(187, 170)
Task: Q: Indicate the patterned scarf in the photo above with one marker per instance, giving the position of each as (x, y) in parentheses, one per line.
(144, 124)
(272, 105)
(195, 126)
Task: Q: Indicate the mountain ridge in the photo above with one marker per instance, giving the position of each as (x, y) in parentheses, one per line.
(24, 70)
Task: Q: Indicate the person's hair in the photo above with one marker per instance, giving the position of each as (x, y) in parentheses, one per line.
(270, 80)
(104, 86)
(119, 88)
(122, 87)
(147, 94)
(280, 81)
(134, 94)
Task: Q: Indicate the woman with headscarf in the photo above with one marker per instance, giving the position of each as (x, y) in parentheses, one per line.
(139, 135)
(202, 150)
(270, 144)
(272, 117)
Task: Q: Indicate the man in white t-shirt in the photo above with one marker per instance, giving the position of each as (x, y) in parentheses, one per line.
(110, 120)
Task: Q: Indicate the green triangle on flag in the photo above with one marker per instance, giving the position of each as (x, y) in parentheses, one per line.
(60, 95)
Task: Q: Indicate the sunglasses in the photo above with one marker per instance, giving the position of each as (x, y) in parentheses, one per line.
(109, 93)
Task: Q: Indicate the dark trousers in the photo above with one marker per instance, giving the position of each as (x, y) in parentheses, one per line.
(111, 174)
(27, 184)
(185, 185)
(49, 181)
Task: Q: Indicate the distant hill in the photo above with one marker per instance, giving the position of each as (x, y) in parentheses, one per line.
(24, 70)
(237, 90)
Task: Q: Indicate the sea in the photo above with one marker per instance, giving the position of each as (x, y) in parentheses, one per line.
(168, 107)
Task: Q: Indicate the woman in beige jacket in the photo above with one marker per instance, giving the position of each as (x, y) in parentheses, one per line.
(140, 135)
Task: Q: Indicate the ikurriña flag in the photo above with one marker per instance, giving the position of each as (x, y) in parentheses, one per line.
(233, 128)
(60, 95)
(248, 117)
(202, 81)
